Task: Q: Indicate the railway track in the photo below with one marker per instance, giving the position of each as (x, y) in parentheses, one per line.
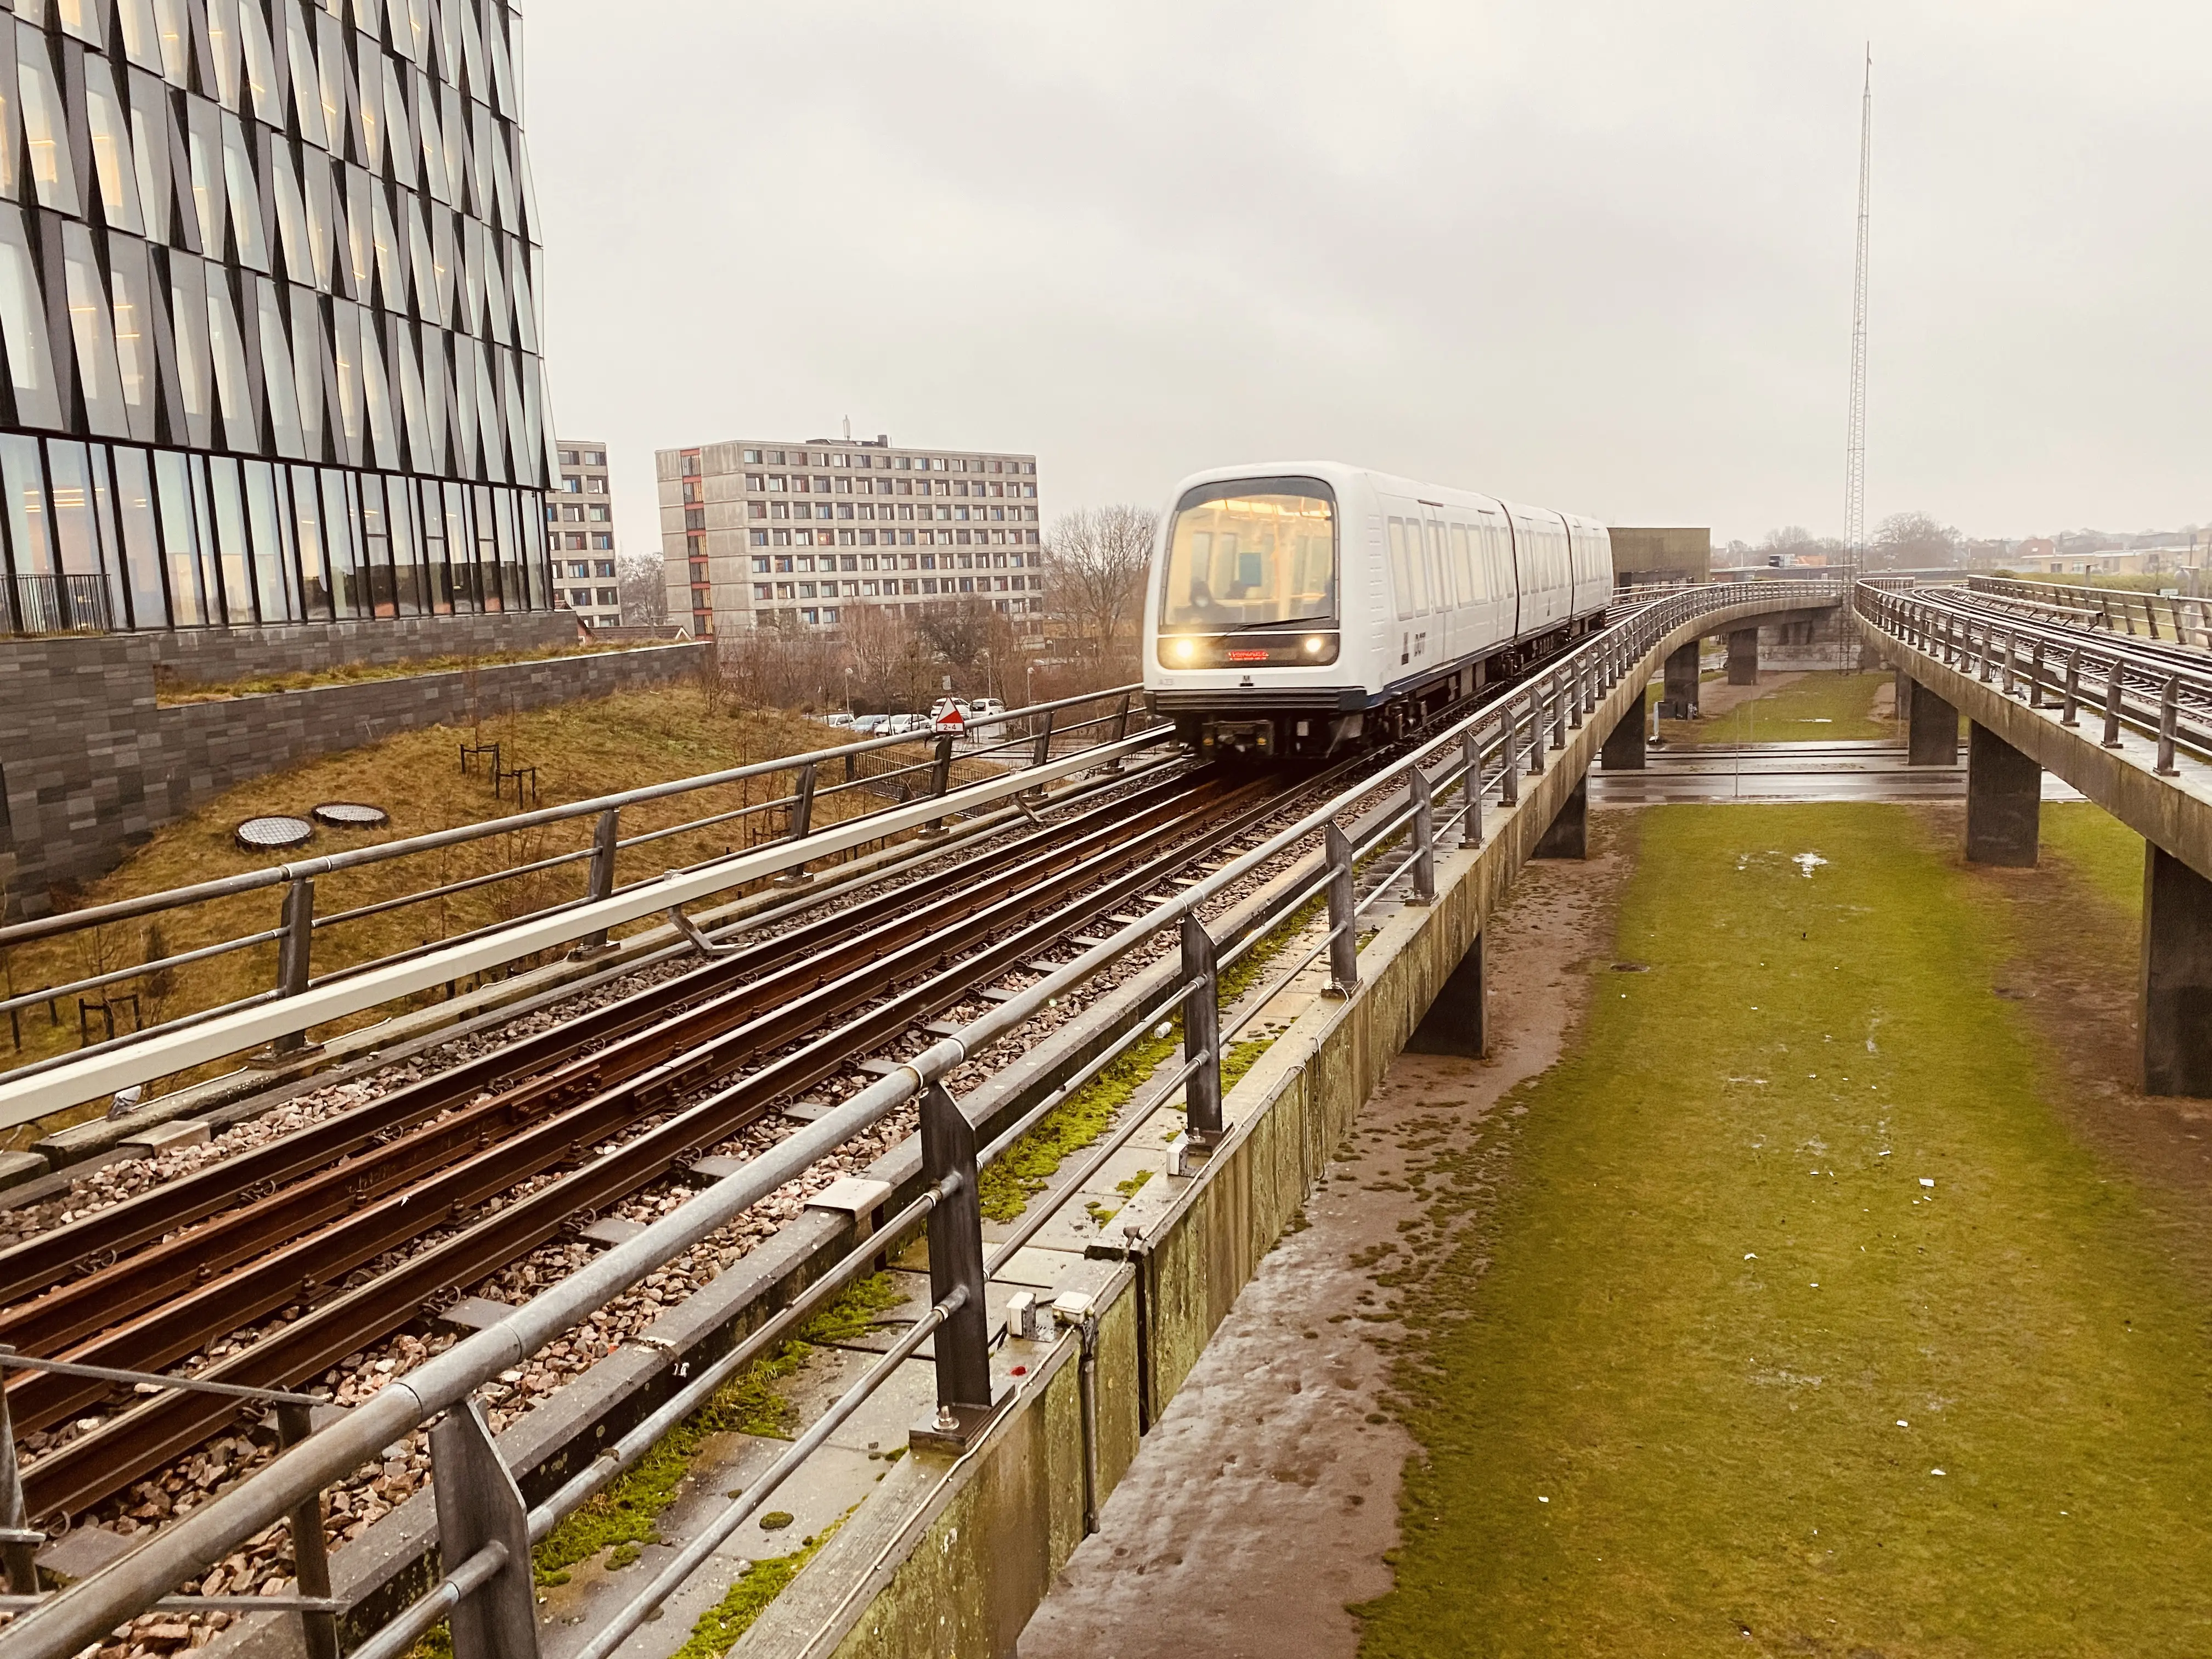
(431, 1171)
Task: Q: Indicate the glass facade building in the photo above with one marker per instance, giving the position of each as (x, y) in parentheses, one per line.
(269, 273)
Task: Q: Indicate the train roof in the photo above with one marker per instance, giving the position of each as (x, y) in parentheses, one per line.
(1342, 473)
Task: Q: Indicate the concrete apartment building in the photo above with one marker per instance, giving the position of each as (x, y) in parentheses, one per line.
(579, 516)
(761, 532)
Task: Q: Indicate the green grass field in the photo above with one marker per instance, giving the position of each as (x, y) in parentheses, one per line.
(2102, 850)
(1798, 1322)
(1821, 707)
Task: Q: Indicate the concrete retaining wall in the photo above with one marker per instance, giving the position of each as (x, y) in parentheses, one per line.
(91, 764)
(213, 656)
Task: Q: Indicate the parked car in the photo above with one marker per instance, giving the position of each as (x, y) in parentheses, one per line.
(870, 725)
(840, 717)
(896, 725)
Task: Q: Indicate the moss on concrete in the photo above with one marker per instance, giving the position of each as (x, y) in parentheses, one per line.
(1799, 1322)
(719, 1626)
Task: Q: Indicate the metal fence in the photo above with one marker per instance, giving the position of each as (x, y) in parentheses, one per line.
(55, 605)
(2187, 620)
(1349, 854)
(2162, 691)
(874, 780)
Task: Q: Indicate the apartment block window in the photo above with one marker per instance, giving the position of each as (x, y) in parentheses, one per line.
(598, 515)
(608, 596)
(698, 570)
(567, 457)
(694, 518)
(691, 464)
(761, 591)
(694, 543)
(595, 486)
(752, 458)
(760, 565)
(595, 457)
(760, 539)
(578, 598)
(571, 484)
(783, 538)
(603, 567)
(783, 565)
(755, 509)
(756, 481)
(579, 567)
(600, 539)
(778, 482)
(692, 492)
(572, 515)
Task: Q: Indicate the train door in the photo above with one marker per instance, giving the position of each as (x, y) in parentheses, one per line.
(1409, 578)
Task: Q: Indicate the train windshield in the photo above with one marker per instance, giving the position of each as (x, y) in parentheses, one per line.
(1254, 553)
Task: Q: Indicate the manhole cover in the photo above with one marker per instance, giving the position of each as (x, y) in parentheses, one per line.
(273, 834)
(351, 815)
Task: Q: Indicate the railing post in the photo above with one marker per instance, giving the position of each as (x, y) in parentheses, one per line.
(802, 804)
(1201, 1034)
(17, 1550)
(1535, 734)
(310, 1558)
(1509, 776)
(294, 956)
(2169, 720)
(1343, 914)
(2035, 675)
(1982, 667)
(1424, 839)
(2112, 693)
(955, 1269)
(478, 1504)
(1121, 731)
(940, 780)
(1578, 693)
(606, 836)
(1562, 696)
(2070, 715)
(1041, 752)
(1471, 790)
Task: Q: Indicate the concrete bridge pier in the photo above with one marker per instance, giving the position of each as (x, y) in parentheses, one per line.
(1624, 749)
(1743, 656)
(2004, 798)
(1458, 1021)
(1678, 699)
(1932, 733)
(2175, 1004)
(1568, 834)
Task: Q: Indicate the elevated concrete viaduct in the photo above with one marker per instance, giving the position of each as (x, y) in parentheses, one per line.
(2129, 723)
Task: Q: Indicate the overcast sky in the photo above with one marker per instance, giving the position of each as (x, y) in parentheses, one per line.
(1593, 256)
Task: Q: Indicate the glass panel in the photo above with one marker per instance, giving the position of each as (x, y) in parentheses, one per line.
(464, 406)
(376, 541)
(10, 174)
(441, 258)
(173, 24)
(368, 106)
(92, 325)
(309, 356)
(222, 36)
(298, 45)
(360, 233)
(511, 409)
(46, 123)
(23, 321)
(204, 153)
(141, 543)
(27, 504)
(150, 153)
(457, 138)
(1254, 553)
(435, 179)
(437, 401)
(331, 63)
(525, 308)
(76, 542)
(291, 213)
(188, 589)
(376, 395)
(188, 310)
(322, 221)
(530, 466)
(345, 351)
(460, 548)
(400, 512)
(488, 560)
(241, 420)
(503, 178)
(499, 320)
(276, 372)
(232, 548)
(245, 195)
(110, 151)
(1463, 562)
(494, 447)
(441, 578)
(307, 524)
(260, 63)
(349, 575)
(424, 262)
(390, 271)
(111, 559)
(409, 373)
(400, 138)
(274, 577)
(85, 19)
(142, 41)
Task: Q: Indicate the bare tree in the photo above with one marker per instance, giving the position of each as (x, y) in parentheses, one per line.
(893, 667)
(643, 581)
(1098, 556)
(965, 632)
(1907, 541)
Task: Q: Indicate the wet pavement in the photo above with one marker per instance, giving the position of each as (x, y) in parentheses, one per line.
(1770, 772)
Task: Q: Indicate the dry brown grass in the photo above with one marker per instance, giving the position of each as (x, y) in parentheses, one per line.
(580, 750)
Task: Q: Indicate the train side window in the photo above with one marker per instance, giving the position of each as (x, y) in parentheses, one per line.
(1463, 564)
(1401, 575)
(1439, 582)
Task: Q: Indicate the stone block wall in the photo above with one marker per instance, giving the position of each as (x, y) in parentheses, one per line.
(90, 764)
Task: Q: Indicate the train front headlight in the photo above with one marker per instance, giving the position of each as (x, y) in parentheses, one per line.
(1185, 650)
(1315, 645)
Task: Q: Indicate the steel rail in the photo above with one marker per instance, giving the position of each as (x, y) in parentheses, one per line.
(82, 1613)
(92, 1462)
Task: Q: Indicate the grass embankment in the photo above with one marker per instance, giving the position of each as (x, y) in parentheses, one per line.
(2105, 853)
(580, 750)
(1822, 706)
(1801, 1323)
(167, 688)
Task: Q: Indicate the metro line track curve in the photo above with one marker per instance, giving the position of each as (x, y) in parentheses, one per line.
(280, 1249)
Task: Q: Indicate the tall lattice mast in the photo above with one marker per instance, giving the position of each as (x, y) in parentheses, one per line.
(1854, 443)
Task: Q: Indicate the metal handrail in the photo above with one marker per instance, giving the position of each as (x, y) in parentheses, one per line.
(84, 1612)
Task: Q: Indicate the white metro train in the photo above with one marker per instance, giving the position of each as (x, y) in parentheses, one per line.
(1293, 611)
